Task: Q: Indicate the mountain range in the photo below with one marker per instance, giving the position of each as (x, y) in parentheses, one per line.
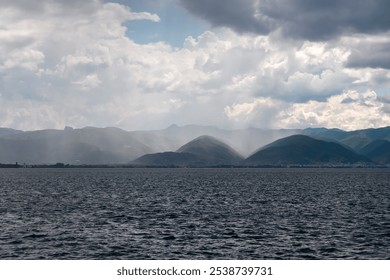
(304, 150)
(194, 145)
(202, 151)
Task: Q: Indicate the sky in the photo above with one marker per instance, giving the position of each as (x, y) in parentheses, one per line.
(144, 64)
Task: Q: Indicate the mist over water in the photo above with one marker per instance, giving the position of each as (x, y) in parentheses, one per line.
(194, 214)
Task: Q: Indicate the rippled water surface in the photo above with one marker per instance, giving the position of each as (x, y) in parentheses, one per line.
(194, 214)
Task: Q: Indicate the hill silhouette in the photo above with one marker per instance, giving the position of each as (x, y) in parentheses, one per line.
(378, 151)
(202, 151)
(304, 150)
(73, 146)
(111, 145)
(212, 150)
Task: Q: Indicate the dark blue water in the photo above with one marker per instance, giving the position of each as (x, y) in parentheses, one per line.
(194, 214)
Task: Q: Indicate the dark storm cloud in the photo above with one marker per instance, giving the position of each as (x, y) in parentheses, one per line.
(307, 19)
(238, 15)
(373, 55)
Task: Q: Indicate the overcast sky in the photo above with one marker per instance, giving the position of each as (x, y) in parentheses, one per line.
(144, 64)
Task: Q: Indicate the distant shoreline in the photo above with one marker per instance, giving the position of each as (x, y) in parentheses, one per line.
(112, 166)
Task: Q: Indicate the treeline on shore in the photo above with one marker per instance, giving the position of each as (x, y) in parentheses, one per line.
(60, 165)
(63, 165)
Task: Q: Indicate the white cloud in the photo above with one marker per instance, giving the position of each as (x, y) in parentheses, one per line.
(29, 59)
(260, 113)
(79, 68)
(89, 82)
(350, 110)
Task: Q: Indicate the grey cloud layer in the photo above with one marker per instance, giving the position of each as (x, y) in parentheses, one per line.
(307, 19)
(370, 54)
(238, 15)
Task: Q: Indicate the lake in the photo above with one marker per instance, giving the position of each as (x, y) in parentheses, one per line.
(194, 213)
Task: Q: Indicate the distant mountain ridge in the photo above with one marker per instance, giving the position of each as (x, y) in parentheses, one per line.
(304, 150)
(116, 146)
(378, 151)
(212, 149)
(354, 139)
(8, 131)
(202, 151)
(73, 146)
(244, 141)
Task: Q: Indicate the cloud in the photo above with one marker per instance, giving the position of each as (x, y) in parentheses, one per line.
(28, 59)
(312, 20)
(260, 112)
(350, 110)
(81, 69)
(58, 61)
(89, 82)
(40, 7)
(242, 16)
(369, 52)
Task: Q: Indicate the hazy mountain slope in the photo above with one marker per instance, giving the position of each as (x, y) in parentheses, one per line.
(356, 142)
(36, 152)
(90, 145)
(376, 133)
(211, 149)
(325, 133)
(8, 131)
(378, 151)
(301, 149)
(75, 146)
(244, 141)
(202, 151)
(156, 143)
(173, 137)
(354, 139)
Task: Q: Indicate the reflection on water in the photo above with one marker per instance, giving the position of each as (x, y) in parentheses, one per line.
(194, 214)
